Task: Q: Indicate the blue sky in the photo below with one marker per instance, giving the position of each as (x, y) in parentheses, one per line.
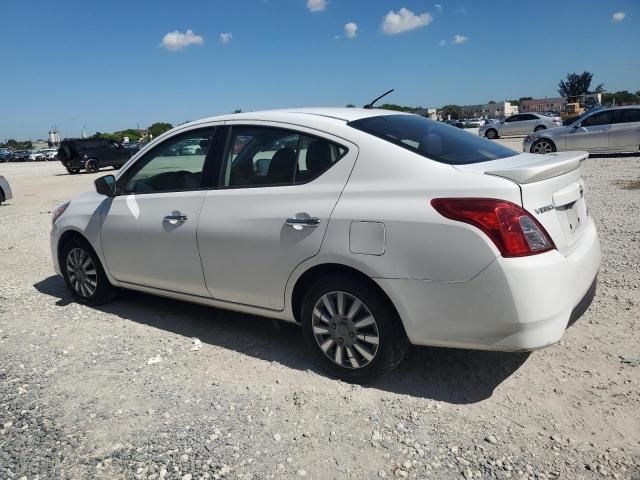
(103, 64)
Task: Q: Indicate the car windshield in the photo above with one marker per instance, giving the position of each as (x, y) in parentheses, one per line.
(433, 140)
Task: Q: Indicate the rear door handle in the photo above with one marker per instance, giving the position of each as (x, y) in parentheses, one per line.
(300, 223)
(175, 219)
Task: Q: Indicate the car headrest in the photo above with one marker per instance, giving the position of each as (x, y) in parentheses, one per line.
(282, 165)
(318, 156)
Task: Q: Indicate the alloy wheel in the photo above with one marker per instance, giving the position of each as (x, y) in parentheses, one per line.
(345, 330)
(492, 134)
(82, 272)
(542, 146)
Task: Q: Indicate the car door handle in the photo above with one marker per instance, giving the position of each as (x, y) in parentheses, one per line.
(175, 219)
(299, 223)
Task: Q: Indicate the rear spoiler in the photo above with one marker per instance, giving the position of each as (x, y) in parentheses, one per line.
(528, 167)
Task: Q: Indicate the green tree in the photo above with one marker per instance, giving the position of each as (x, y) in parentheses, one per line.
(159, 128)
(351, 105)
(576, 85)
(237, 110)
(451, 110)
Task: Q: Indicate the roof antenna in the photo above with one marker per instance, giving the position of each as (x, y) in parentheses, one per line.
(370, 105)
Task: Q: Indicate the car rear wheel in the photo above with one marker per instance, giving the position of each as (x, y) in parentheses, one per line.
(2, 197)
(539, 127)
(543, 145)
(91, 166)
(84, 274)
(492, 133)
(350, 330)
(73, 171)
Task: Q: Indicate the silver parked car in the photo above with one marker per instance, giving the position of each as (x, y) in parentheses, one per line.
(520, 124)
(5, 190)
(603, 131)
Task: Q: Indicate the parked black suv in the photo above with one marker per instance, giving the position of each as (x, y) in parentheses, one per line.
(92, 154)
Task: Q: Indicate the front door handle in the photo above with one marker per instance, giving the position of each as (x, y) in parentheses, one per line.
(301, 222)
(175, 219)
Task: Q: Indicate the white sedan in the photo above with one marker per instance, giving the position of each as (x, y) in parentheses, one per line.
(373, 230)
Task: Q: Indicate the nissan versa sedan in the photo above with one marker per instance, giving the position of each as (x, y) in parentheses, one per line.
(520, 124)
(611, 130)
(373, 230)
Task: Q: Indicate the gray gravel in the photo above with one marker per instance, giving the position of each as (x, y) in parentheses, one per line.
(149, 388)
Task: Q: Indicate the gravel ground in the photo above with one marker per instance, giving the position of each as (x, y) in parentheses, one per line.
(150, 388)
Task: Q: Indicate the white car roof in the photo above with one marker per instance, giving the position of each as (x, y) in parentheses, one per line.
(296, 115)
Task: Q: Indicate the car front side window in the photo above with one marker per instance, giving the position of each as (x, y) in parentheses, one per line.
(174, 165)
(601, 118)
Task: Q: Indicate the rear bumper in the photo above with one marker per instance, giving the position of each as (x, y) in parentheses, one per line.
(513, 304)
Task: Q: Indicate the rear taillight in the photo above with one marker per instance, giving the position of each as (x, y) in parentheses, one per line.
(513, 230)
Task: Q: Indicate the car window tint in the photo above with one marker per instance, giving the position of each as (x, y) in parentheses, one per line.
(434, 140)
(174, 165)
(600, 118)
(629, 115)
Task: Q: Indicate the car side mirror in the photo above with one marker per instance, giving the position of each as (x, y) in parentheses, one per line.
(106, 185)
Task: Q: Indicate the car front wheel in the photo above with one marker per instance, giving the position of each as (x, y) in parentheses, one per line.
(492, 133)
(83, 273)
(350, 330)
(543, 145)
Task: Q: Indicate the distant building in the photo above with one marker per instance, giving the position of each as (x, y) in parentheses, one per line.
(426, 112)
(557, 104)
(489, 110)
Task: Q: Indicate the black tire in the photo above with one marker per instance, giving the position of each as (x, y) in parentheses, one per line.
(492, 133)
(2, 197)
(104, 291)
(64, 153)
(539, 127)
(91, 166)
(392, 339)
(540, 146)
(73, 171)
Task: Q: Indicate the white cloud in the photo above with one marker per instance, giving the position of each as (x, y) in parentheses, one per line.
(404, 21)
(175, 41)
(225, 38)
(351, 30)
(316, 5)
(618, 16)
(459, 39)
(442, 43)
(438, 7)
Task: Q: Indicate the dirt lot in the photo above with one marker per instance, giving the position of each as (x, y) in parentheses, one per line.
(125, 390)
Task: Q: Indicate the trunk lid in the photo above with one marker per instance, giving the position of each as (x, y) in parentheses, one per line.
(552, 191)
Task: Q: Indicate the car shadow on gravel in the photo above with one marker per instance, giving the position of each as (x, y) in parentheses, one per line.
(448, 375)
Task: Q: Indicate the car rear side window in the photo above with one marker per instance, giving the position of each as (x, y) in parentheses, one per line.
(434, 140)
(631, 115)
(266, 156)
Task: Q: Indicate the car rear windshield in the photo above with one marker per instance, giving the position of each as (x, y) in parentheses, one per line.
(434, 140)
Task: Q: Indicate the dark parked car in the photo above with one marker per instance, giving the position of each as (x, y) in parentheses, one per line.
(19, 156)
(92, 154)
(5, 155)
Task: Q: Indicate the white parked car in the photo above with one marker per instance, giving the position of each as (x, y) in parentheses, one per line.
(5, 190)
(519, 124)
(372, 230)
(475, 122)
